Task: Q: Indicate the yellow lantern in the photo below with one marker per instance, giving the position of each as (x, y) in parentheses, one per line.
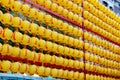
(55, 48)
(25, 9)
(65, 39)
(76, 75)
(54, 7)
(36, 57)
(17, 37)
(59, 10)
(32, 12)
(1, 13)
(30, 55)
(47, 71)
(33, 41)
(48, 4)
(49, 45)
(81, 54)
(67, 50)
(60, 37)
(59, 60)
(5, 66)
(65, 12)
(54, 72)
(81, 65)
(40, 16)
(74, 7)
(47, 19)
(76, 53)
(32, 69)
(75, 17)
(71, 62)
(16, 21)
(1, 46)
(40, 70)
(60, 49)
(23, 53)
(7, 3)
(42, 57)
(70, 41)
(65, 62)
(47, 58)
(70, 29)
(80, 44)
(60, 73)
(69, 5)
(41, 44)
(6, 49)
(7, 18)
(54, 22)
(15, 52)
(34, 28)
(23, 68)
(25, 39)
(75, 42)
(15, 67)
(16, 6)
(53, 59)
(54, 35)
(47, 33)
(70, 15)
(81, 76)
(25, 25)
(40, 2)
(87, 56)
(76, 64)
(41, 31)
(65, 26)
(65, 74)
(70, 74)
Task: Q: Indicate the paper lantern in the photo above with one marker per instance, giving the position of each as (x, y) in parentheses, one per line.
(60, 49)
(75, 17)
(25, 25)
(16, 21)
(1, 46)
(65, 26)
(31, 55)
(49, 45)
(65, 74)
(70, 29)
(15, 67)
(70, 63)
(33, 41)
(1, 13)
(23, 68)
(6, 18)
(5, 66)
(74, 7)
(60, 37)
(70, 15)
(65, 62)
(70, 52)
(70, 41)
(69, 5)
(41, 44)
(55, 48)
(25, 39)
(42, 57)
(23, 53)
(32, 69)
(53, 59)
(7, 3)
(67, 50)
(81, 76)
(81, 54)
(81, 65)
(75, 42)
(25, 9)
(40, 2)
(6, 49)
(47, 72)
(76, 64)
(59, 10)
(48, 4)
(40, 70)
(54, 7)
(70, 74)
(32, 12)
(65, 39)
(75, 75)
(17, 36)
(54, 22)
(40, 16)
(80, 44)
(47, 58)
(60, 73)
(15, 52)
(59, 60)
(16, 6)
(41, 31)
(34, 28)
(47, 19)
(54, 72)
(76, 53)
(47, 33)
(65, 12)
(54, 35)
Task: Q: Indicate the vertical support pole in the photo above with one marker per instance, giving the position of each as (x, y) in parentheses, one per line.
(83, 28)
